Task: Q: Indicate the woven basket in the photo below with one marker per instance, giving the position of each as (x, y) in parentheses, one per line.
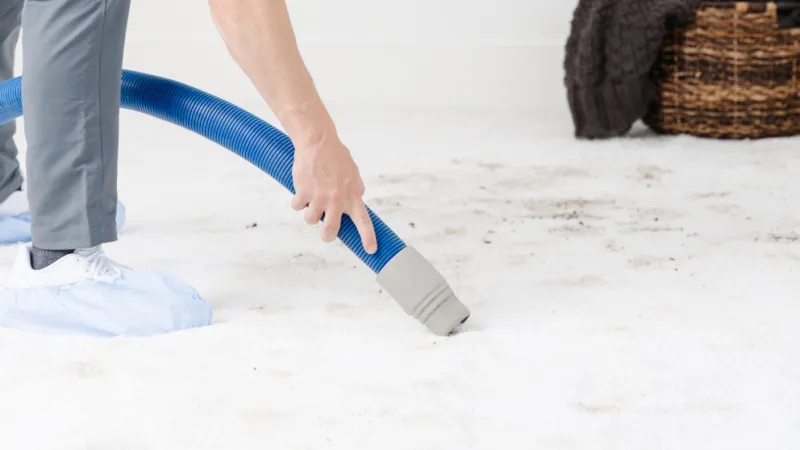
(732, 73)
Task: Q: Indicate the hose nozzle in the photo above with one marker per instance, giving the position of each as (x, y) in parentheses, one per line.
(422, 292)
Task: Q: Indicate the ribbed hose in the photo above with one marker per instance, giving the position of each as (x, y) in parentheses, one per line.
(229, 126)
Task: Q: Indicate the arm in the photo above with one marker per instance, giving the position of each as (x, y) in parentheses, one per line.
(260, 38)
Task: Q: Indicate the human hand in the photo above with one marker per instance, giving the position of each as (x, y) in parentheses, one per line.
(260, 37)
(327, 180)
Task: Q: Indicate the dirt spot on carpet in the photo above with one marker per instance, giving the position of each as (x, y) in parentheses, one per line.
(784, 237)
(651, 261)
(579, 229)
(567, 209)
(649, 174)
(638, 228)
(705, 195)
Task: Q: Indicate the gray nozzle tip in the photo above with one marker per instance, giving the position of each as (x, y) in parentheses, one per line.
(422, 292)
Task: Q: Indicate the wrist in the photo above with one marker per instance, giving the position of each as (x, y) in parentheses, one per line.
(309, 129)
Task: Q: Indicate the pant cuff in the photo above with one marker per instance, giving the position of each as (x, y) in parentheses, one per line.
(90, 238)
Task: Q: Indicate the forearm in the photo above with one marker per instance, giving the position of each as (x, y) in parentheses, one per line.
(260, 38)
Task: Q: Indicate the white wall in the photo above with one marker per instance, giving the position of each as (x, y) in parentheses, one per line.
(442, 53)
(376, 53)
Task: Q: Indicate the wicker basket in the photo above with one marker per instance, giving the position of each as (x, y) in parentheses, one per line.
(732, 73)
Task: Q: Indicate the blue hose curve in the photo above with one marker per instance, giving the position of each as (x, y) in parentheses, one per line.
(243, 133)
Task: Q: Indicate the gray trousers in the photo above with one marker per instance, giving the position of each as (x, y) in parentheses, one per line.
(71, 68)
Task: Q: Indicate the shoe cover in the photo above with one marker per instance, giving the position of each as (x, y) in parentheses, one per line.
(139, 303)
(17, 229)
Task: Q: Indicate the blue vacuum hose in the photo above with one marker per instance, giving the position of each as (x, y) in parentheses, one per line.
(404, 273)
(229, 126)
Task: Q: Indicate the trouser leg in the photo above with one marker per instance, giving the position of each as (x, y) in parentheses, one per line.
(72, 68)
(10, 177)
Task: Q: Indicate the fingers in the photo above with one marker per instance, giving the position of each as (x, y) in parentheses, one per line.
(333, 221)
(314, 212)
(363, 223)
(299, 201)
(333, 208)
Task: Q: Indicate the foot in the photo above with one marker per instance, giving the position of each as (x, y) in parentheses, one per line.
(15, 218)
(81, 265)
(86, 292)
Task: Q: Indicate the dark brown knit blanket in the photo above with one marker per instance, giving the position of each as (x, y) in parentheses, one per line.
(610, 51)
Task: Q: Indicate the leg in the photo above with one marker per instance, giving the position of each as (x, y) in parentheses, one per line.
(72, 69)
(10, 177)
(71, 93)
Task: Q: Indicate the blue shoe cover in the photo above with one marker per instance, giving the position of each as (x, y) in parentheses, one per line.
(139, 303)
(17, 229)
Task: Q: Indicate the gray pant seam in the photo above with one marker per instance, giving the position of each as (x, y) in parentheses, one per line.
(98, 203)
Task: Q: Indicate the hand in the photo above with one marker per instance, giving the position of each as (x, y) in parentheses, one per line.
(260, 37)
(327, 180)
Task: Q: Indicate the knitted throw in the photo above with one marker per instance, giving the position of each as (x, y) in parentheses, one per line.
(610, 51)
